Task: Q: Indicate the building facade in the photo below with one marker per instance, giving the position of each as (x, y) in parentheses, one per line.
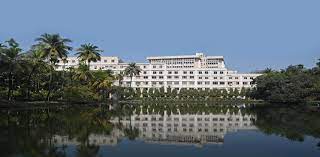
(187, 71)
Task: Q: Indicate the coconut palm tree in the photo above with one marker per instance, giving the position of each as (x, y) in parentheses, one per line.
(102, 81)
(89, 53)
(54, 47)
(11, 61)
(132, 70)
(82, 73)
(35, 59)
(119, 77)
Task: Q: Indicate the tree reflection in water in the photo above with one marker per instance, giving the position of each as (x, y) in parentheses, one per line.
(50, 131)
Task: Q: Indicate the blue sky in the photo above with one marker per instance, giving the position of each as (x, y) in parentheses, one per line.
(251, 34)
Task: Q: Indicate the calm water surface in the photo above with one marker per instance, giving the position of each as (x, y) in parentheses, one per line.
(160, 130)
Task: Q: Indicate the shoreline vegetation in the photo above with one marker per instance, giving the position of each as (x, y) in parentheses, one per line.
(29, 77)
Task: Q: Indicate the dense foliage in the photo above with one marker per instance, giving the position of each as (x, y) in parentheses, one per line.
(295, 84)
(32, 76)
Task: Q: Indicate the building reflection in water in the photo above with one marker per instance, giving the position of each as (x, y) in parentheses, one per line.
(177, 129)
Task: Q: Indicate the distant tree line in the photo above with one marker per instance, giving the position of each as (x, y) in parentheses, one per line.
(295, 84)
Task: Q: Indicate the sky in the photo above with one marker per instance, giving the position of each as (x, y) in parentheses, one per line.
(251, 34)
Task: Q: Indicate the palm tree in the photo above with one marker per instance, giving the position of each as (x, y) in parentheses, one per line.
(54, 48)
(102, 81)
(10, 62)
(119, 77)
(132, 70)
(89, 53)
(82, 73)
(35, 58)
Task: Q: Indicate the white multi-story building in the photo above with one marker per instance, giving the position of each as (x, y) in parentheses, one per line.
(187, 71)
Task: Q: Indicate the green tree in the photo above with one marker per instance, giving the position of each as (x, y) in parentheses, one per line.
(119, 77)
(35, 59)
(11, 61)
(102, 82)
(132, 70)
(89, 53)
(54, 48)
(83, 74)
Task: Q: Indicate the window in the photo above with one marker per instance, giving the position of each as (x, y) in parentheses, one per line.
(191, 77)
(154, 77)
(184, 72)
(176, 72)
(169, 72)
(145, 77)
(154, 72)
(207, 83)
(169, 77)
(112, 60)
(160, 77)
(184, 77)
(160, 72)
(206, 72)
(191, 72)
(144, 72)
(206, 78)
(105, 61)
(199, 83)
(215, 72)
(176, 77)
(200, 77)
(154, 66)
(215, 83)
(222, 83)
(221, 72)
(215, 78)
(200, 72)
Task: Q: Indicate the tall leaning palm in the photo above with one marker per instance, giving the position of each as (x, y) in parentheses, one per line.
(54, 48)
(89, 53)
(132, 70)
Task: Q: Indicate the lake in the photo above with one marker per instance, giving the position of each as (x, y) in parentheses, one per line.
(160, 130)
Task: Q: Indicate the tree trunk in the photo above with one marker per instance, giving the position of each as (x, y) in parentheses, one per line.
(130, 80)
(49, 88)
(29, 82)
(9, 85)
